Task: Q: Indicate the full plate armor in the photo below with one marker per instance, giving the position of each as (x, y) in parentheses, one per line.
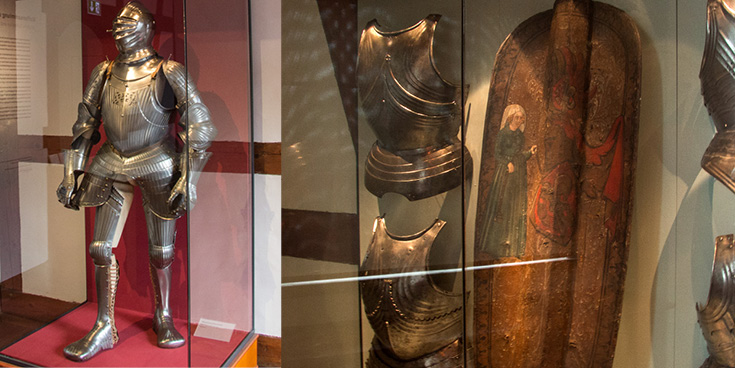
(416, 323)
(134, 96)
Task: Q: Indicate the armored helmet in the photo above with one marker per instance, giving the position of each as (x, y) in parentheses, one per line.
(133, 27)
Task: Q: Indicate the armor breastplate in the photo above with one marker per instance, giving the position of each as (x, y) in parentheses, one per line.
(407, 103)
(409, 314)
(716, 317)
(132, 115)
(413, 111)
(717, 73)
(717, 76)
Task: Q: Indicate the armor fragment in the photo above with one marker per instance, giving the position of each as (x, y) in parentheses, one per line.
(716, 316)
(412, 317)
(414, 112)
(717, 76)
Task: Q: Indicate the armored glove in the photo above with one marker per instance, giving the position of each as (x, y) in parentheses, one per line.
(189, 173)
(74, 163)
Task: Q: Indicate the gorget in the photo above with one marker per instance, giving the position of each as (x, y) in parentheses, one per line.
(414, 112)
(411, 316)
(717, 76)
(716, 317)
(133, 116)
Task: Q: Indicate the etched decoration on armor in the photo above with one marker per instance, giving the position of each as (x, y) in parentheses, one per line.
(717, 76)
(134, 97)
(415, 321)
(414, 112)
(575, 70)
(716, 317)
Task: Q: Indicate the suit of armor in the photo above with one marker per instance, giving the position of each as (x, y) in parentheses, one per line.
(134, 96)
(416, 323)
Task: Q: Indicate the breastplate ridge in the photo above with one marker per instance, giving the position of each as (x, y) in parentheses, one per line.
(132, 115)
(409, 314)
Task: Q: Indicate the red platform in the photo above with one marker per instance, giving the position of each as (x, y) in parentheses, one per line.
(136, 348)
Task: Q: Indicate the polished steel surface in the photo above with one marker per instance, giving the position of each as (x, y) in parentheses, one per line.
(104, 334)
(411, 316)
(74, 162)
(161, 234)
(717, 76)
(191, 170)
(134, 119)
(133, 31)
(413, 111)
(716, 316)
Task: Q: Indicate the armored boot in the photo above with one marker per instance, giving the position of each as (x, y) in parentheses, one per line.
(104, 333)
(163, 323)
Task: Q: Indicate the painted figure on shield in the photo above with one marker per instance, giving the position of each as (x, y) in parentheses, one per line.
(503, 233)
(133, 96)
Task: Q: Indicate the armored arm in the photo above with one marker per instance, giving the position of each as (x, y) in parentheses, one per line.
(85, 135)
(197, 135)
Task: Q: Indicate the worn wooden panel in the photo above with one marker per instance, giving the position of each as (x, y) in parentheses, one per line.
(576, 73)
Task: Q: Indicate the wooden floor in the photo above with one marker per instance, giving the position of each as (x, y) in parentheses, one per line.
(269, 351)
(21, 314)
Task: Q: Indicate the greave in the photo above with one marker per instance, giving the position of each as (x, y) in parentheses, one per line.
(104, 333)
(163, 323)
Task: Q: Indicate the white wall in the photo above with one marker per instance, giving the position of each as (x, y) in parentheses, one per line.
(53, 246)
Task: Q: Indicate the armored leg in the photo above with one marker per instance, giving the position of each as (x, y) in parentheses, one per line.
(104, 333)
(161, 251)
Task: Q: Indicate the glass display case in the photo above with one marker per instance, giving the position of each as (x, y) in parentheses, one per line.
(47, 277)
(590, 102)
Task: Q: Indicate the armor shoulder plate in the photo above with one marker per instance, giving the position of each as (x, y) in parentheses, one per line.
(94, 87)
(184, 88)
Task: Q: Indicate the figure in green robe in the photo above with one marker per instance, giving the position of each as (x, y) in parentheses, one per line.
(503, 232)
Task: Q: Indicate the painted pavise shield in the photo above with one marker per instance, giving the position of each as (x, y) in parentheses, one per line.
(555, 185)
